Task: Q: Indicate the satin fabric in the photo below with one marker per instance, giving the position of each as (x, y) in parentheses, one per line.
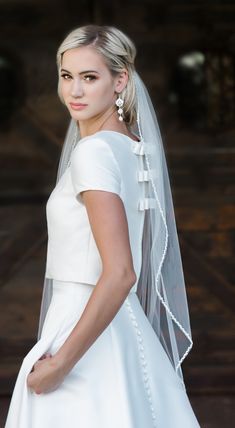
(124, 380)
(104, 161)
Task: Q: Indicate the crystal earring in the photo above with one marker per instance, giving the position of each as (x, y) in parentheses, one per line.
(119, 103)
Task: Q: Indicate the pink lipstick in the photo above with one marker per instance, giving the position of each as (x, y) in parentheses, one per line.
(78, 106)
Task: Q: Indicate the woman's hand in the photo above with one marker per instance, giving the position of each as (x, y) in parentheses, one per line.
(46, 375)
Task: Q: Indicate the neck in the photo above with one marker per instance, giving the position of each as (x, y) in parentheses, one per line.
(108, 120)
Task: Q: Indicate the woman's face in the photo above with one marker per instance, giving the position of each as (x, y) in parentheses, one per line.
(87, 86)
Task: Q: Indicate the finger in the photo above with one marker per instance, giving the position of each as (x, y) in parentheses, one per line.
(29, 381)
(43, 357)
(46, 355)
(36, 365)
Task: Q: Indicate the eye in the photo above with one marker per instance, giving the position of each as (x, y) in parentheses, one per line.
(66, 76)
(89, 77)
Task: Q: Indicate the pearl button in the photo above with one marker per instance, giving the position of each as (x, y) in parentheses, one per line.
(142, 358)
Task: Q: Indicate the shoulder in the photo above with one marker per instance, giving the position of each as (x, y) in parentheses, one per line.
(93, 166)
(94, 153)
(90, 146)
(104, 139)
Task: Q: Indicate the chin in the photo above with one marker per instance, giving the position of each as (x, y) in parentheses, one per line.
(79, 115)
(76, 115)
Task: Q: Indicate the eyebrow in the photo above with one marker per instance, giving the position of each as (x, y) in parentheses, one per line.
(82, 72)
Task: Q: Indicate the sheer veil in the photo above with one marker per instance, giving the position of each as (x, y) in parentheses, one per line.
(161, 286)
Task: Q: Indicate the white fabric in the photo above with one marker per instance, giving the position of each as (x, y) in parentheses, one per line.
(106, 161)
(124, 380)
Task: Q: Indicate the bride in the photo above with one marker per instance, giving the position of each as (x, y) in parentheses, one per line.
(114, 326)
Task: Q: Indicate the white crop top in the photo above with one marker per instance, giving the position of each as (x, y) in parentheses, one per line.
(109, 161)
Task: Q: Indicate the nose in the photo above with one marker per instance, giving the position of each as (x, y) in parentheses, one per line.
(76, 89)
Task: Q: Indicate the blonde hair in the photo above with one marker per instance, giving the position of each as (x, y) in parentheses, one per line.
(118, 52)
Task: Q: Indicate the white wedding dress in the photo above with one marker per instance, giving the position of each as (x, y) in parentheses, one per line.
(124, 380)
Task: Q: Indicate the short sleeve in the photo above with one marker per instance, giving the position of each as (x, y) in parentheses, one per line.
(94, 167)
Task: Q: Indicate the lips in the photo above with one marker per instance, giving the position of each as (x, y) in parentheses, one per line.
(77, 106)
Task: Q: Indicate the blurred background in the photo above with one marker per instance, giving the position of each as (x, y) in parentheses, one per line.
(186, 56)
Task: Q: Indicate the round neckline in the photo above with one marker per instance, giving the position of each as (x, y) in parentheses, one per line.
(115, 132)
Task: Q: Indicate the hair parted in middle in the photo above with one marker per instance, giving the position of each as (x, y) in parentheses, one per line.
(118, 52)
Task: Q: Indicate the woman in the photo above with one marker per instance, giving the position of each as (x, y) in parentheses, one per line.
(114, 326)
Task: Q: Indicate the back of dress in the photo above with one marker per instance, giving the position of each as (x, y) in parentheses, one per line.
(108, 161)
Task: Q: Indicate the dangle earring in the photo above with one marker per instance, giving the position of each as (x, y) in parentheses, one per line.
(119, 103)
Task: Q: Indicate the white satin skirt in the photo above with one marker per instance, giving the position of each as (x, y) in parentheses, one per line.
(124, 380)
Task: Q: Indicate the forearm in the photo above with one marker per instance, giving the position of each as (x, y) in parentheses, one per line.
(102, 306)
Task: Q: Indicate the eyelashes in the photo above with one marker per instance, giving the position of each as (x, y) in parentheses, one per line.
(90, 77)
(86, 77)
(65, 76)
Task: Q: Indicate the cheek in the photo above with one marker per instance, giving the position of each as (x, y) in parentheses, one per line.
(103, 95)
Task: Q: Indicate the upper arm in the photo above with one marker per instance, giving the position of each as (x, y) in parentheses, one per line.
(109, 226)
